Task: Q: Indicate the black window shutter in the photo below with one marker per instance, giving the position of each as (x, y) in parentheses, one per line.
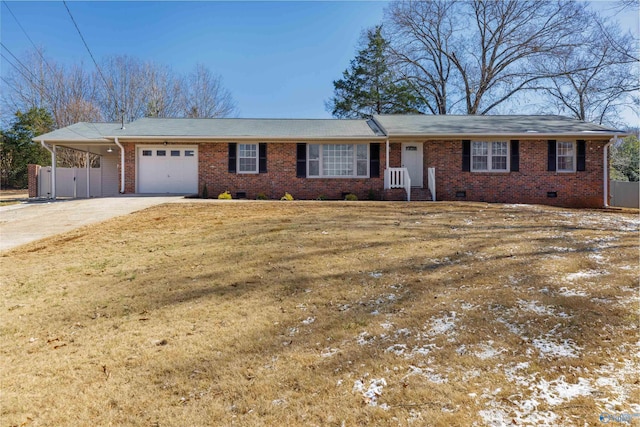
(374, 160)
(301, 160)
(262, 157)
(515, 155)
(551, 157)
(466, 155)
(232, 157)
(581, 157)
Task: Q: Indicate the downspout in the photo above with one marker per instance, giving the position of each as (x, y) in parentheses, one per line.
(121, 165)
(606, 169)
(386, 165)
(86, 157)
(53, 167)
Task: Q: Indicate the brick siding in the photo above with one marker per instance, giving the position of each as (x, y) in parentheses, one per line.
(32, 175)
(530, 185)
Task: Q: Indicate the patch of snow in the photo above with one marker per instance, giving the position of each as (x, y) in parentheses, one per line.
(386, 325)
(563, 348)
(514, 328)
(328, 352)
(278, 402)
(472, 373)
(461, 350)
(599, 259)
(443, 325)
(397, 349)
(587, 274)
(559, 391)
(372, 393)
(293, 331)
(375, 274)
(427, 373)
(535, 307)
(414, 415)
(364, 338)
(487, 351)
(566, 292)
(424, 350)
(467, 306)
(308, 320)
(561, 249)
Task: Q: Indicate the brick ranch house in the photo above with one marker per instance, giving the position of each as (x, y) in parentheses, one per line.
(509, 159)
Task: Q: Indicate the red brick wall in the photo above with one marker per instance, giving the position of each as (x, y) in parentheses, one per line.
(32, 174)
(529, 185)
(280, 176)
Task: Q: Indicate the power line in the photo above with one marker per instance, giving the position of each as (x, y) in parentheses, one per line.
(27, 35)
(34, 81)
(91, 54)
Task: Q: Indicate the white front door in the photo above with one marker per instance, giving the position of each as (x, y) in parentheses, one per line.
(412, 160)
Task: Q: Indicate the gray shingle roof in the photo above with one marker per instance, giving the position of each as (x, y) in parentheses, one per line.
(450, 125)
(318, 129)
(250, 128)
(81, 132)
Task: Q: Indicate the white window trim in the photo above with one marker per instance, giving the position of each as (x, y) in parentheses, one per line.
(489, 158)
(355, 162)
(573, 162)
(257, 159)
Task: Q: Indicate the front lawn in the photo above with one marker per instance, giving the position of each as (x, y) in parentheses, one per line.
(327, 314)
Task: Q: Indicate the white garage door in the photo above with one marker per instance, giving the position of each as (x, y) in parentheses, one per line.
(169, 169)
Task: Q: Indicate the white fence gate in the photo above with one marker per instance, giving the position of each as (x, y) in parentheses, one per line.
(625, 194)
(70, 182)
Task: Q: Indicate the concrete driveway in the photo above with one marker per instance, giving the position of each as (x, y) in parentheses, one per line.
(27, 222)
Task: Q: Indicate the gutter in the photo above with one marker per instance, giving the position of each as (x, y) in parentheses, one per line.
(121, 164)
(53, 167)
(204, 138)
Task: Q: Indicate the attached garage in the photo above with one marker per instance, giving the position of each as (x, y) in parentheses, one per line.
(166, 169)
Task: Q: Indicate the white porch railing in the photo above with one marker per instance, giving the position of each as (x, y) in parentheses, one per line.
(398, 178)
(431, 182)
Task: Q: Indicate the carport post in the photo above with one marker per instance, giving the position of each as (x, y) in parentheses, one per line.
(53, 167)
(88, 174)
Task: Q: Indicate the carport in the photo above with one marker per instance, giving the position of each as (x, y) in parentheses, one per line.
(81, 182)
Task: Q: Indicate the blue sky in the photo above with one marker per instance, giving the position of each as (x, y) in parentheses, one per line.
(278, 59)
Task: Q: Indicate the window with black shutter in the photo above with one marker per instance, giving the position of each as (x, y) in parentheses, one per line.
(466, 155)
(301, 160)
(374, 160)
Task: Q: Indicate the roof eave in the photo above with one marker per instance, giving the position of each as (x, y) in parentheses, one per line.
(527, 135)
(247, 138)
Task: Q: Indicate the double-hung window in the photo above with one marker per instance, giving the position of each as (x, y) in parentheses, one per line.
(565, 155)
(338, 160)
(247, 158)
(489, 156)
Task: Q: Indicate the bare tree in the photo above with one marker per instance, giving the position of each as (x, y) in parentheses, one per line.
(163, 92)
(489, 45)
(596, 78)
(422, 33)
(204, 95)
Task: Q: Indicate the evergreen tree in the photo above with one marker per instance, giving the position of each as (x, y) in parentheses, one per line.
(17, 149)
(625, 160)
(370, 86)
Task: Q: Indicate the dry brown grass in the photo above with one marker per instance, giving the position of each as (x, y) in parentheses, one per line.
(11, 197)
(274, 313)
